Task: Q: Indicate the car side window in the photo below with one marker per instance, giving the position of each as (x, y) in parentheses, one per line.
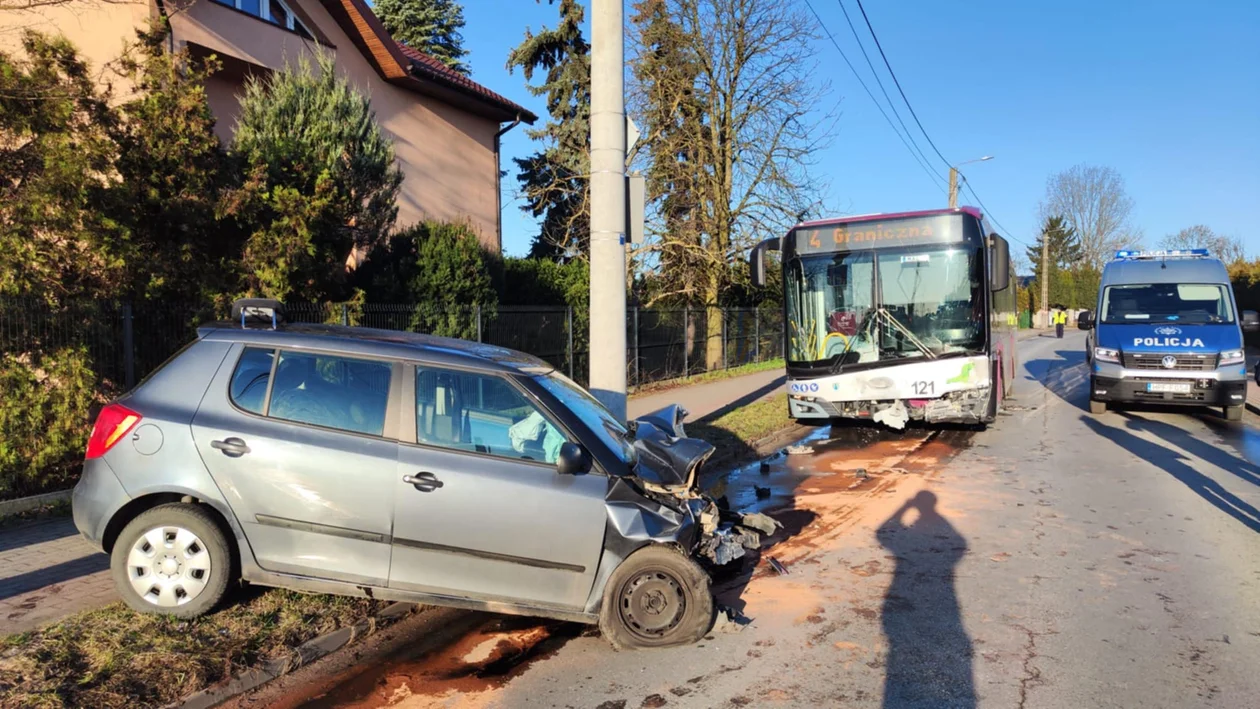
(335, 392)
(481, 413)
(250, 380)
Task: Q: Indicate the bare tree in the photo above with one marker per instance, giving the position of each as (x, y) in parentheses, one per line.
(727, 94)
(1094, 202)
(1228, 249)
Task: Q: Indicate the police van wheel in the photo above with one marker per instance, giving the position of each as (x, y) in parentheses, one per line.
(1233, 413)
(1097, 407)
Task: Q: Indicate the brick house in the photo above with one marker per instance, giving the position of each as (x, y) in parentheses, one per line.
(445, 126)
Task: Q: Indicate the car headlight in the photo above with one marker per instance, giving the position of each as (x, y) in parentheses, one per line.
(1106, 354)
(1233, 357)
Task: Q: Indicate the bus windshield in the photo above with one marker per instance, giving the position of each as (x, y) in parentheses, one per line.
(1189, 303)
(886, 304)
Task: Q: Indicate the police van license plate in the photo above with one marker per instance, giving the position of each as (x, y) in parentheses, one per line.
(1168, 387)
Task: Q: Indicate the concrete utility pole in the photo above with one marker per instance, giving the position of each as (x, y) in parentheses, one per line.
(1044, 308)
(608, 207)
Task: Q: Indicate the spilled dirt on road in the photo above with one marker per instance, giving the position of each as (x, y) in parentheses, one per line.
(483, 659)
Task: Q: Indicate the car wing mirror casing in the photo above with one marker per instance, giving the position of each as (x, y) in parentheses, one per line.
(1250, 321)
(573, 459)
(1086, 320)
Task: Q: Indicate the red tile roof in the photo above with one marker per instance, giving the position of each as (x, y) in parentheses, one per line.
(432, 68)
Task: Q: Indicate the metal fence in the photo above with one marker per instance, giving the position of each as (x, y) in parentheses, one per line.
(126, 341)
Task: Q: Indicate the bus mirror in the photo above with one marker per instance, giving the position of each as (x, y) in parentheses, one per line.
(757, 261)
(1000, 263)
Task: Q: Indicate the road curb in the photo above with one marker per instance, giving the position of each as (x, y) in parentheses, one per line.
(302, 655)
(24, 504)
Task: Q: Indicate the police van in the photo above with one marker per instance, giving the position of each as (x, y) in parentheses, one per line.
(1167, 331)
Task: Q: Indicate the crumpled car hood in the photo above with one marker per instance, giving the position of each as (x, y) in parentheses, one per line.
(666, 457)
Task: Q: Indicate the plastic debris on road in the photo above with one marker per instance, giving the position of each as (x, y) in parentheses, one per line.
(799, 450)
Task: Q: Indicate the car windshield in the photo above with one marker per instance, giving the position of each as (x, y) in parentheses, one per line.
(885, 305)
(1188, 303)
(611, 432)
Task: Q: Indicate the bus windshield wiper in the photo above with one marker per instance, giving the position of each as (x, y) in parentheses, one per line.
(864, 328)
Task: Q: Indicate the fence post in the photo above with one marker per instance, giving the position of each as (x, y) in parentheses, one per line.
(722, 314)
(636, 345)
(568, 314)
(756, 334)
(686, 339)
(345, 314)
(129, 346)
(479, 322)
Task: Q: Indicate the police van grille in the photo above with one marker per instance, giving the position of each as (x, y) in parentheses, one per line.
(1191, 362)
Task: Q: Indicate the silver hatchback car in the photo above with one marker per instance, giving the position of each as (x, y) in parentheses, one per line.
(405, 467)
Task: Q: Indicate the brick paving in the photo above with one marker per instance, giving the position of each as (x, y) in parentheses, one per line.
(47, 571)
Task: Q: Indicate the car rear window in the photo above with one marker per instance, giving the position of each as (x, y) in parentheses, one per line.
(330, 391)
(250, 380)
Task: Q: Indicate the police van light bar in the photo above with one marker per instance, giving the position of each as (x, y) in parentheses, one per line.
(1162, 253)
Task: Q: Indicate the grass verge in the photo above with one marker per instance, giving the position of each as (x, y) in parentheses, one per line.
(666, 384)
(114, 657)
(736, 433)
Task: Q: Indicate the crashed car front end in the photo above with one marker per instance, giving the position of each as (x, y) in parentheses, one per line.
(661, 503)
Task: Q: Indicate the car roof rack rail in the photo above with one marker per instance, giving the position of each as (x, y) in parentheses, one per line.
(258, 311)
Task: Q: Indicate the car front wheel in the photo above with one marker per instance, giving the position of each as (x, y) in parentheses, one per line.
(173, 560)
(657, 597)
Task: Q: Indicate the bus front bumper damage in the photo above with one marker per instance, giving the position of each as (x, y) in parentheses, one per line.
(965, 406)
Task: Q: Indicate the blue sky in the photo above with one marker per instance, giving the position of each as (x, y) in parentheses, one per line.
(1167, 93)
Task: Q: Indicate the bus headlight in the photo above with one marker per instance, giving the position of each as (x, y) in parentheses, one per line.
(1106, 354)
(1233, 357)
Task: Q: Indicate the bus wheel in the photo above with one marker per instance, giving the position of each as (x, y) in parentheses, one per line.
(1233, 413)
(1097, 407)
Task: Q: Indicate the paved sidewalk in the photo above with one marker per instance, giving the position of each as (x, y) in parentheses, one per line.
(47, 571)
(715, 397)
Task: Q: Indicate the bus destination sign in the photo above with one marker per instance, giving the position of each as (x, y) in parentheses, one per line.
(872, 234)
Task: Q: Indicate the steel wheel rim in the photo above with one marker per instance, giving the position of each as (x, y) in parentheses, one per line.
(169, 566)
(652, 604)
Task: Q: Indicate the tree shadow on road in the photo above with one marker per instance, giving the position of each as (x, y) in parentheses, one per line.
(929, 652)
(1174, 463)
(1203, 450)
(1065, 377)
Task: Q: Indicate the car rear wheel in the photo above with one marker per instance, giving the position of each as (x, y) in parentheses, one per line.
(173, 560)
(656, 598)
(1233, 413)
(1097, 407)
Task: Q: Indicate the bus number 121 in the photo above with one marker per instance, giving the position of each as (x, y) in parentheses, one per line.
(924, 388)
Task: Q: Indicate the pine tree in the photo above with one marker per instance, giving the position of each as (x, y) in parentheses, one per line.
(554, 181)
(430, 26)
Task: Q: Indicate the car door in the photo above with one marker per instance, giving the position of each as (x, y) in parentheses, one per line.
(297, 443)
(479, 509)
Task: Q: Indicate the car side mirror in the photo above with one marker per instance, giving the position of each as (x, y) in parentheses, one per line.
(1085, 321)
(1250, 321)
(573, 459)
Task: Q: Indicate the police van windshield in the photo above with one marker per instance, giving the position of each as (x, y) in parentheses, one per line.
(1188, 303)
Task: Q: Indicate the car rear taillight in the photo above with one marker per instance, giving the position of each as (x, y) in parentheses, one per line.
(113, 423)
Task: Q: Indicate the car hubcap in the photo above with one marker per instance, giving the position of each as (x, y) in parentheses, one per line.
(652, 604)
(168, 566)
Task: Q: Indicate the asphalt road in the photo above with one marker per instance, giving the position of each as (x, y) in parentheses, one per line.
(1056, 559)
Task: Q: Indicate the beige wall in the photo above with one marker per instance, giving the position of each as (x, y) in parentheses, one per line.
(446, 154)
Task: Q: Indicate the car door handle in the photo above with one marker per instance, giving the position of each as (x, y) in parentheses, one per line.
(424, 482)
(231, 447)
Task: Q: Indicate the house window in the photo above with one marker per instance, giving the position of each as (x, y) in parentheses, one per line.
(274, 11)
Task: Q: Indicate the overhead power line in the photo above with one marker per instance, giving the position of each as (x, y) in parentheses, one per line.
(898, 83)
(989, 214)
(935, 177)
(880, 82)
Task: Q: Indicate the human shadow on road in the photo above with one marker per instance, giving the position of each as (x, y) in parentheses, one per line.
(929, 652)
(1173, 463)
(1064, 377)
